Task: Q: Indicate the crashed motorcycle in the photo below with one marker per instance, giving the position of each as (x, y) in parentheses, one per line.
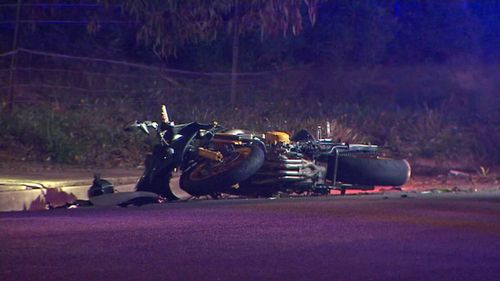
(315, 165)
(208, 159)
(214, 161)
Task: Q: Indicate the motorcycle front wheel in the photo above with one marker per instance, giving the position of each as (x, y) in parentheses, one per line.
(207, 176)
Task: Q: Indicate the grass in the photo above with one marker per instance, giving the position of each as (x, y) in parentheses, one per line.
(90, 133)
(383, 106)
(84, 136)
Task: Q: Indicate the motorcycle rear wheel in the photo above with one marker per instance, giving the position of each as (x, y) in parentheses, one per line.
(206, 177)
(373, 171)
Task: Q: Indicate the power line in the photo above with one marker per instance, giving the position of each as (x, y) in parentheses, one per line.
(13, 52)
(60, 21)
(97, 74)
(152, 68)
(66, 22)
(114, 90)
(52, 5)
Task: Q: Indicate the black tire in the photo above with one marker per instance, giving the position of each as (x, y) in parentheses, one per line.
(373, 171)
(204, 178)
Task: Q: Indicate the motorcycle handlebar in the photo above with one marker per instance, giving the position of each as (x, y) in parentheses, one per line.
(143, 126)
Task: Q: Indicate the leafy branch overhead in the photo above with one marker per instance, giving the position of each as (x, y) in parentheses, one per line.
(168, 25)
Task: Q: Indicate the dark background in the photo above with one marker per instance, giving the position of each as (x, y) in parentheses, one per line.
(420, 77)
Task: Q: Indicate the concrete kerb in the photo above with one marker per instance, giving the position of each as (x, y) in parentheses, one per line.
(18, 194)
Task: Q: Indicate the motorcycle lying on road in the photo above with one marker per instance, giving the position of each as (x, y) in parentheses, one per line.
(305, 164)
(209, 162)
(213, 161)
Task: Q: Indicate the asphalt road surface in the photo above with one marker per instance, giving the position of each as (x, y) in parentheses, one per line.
(370, 237)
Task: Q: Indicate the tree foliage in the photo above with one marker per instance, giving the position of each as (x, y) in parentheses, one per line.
(168, 25)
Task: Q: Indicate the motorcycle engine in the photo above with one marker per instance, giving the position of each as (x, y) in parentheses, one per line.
(284, 169)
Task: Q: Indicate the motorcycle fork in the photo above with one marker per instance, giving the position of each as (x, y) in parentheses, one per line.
(217, 155)
(225, 145)
(160, 161)
(209, 154)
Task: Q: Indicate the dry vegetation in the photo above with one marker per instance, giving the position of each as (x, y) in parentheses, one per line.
(438, 114)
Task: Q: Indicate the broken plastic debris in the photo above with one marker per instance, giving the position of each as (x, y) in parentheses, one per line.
(459, 174)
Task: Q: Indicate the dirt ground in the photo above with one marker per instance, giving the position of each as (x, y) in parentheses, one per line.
(447, 178)
(423, 178)
(50, 171)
